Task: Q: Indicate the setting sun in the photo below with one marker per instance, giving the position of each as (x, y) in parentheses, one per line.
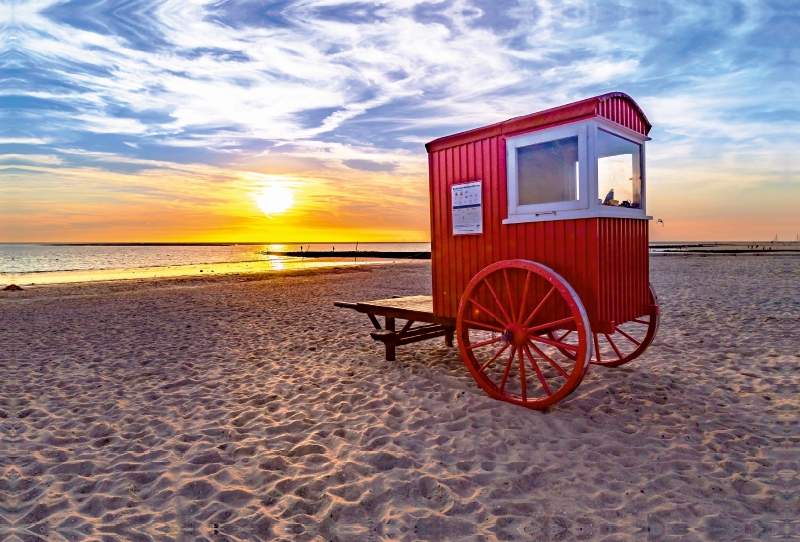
(275, 200)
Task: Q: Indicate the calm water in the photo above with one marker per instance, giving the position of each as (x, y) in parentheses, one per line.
(38, 258)
(17, 259)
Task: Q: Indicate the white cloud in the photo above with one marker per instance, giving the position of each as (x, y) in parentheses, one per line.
(40, 159)
(24, 140)
(329, 89)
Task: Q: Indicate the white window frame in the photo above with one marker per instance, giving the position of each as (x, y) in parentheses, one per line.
(587, 204)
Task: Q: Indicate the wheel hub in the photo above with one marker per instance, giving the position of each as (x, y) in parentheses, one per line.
(515, 335)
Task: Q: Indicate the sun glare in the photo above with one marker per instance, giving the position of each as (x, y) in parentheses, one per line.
(275, 200)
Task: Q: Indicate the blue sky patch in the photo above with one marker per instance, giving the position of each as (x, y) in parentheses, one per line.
(249, 92)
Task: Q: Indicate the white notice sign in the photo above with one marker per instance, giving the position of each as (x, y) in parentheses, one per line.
(467, 208)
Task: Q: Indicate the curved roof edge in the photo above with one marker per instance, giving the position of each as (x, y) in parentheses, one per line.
(557, 115)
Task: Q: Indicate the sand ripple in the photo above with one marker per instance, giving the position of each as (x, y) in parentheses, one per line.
(249, 408)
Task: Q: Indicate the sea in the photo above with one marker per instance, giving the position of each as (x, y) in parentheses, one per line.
(39, 263)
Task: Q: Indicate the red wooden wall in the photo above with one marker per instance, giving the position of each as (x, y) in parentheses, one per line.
(604, 259)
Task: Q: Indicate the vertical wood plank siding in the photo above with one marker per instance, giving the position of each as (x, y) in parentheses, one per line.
(624, 268)
(604, 259)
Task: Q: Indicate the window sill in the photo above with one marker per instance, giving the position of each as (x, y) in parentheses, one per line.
(610, 212)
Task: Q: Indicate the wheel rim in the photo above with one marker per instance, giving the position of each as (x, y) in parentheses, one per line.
(627, 343)
(503, 325)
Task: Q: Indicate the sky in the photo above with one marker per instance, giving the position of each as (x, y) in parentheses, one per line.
(305, 120)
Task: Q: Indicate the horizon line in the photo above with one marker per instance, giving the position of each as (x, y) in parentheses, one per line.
(253, 243)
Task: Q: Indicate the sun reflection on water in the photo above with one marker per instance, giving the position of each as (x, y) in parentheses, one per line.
(277, 262)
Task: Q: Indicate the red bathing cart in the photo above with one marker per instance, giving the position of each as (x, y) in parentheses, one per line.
(539, 250)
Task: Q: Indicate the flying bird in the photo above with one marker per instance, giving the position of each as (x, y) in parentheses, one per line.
(659, 221)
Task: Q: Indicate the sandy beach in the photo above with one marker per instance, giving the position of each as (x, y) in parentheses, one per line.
(248, 407)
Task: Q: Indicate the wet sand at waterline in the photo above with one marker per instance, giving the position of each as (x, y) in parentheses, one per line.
(249, 408)
(273, 263)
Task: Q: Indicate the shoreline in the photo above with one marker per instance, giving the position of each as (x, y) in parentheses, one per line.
(277, 263)
(48, 278)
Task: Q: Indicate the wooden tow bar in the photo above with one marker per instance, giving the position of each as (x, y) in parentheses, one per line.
(414, 310)
(539, 251)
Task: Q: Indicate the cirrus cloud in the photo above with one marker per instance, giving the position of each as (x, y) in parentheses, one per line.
(330, 91)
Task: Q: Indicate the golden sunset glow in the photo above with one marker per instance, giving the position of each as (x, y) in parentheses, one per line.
(316, 132)
(197, 203)
(275, 200)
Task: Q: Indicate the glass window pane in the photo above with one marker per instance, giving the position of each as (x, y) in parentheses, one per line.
(619, 171)
(547, 172)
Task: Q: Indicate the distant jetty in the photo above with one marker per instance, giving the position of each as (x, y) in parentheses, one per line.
(655, 249)
(351, 254)
(722, 248)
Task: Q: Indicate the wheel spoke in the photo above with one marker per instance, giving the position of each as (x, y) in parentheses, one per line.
(555, 324)
(497, 300)
(551, 342)
(524, 294)
(483, 327)
(508, 368)
(549, 360)
(634, 341)
(640, 321)
(497, 355)
(484, 343)
(525, 335)
(508, 294)
(538, 372)
(490, 313)
(614, 346)
(522, 383)
(539, 306)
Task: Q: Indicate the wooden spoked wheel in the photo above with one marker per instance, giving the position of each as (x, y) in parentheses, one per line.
(627, 343)
(504, 320)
